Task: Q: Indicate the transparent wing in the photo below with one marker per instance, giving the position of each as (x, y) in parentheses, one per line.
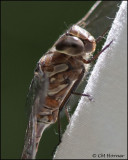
(100, 18)
(35, 99)
(29, 150)
(37, 90)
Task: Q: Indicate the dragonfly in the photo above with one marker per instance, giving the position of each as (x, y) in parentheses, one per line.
(58, 74)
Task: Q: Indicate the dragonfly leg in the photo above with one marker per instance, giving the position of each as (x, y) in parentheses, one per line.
(102, 36)
(86, 95)
(59, 123)
(59, 127)
(97, 55)
(67, 114)
(59, 132)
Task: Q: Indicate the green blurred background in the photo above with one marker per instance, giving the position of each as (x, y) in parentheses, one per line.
(28, 30)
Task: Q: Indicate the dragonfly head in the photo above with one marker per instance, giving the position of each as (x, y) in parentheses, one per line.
(75, 42)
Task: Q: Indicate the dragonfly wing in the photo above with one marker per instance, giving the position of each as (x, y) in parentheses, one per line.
(102, 17)
(29, 150)
(36, 98)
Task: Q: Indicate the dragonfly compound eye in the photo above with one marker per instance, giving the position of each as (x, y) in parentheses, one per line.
(70, 45)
